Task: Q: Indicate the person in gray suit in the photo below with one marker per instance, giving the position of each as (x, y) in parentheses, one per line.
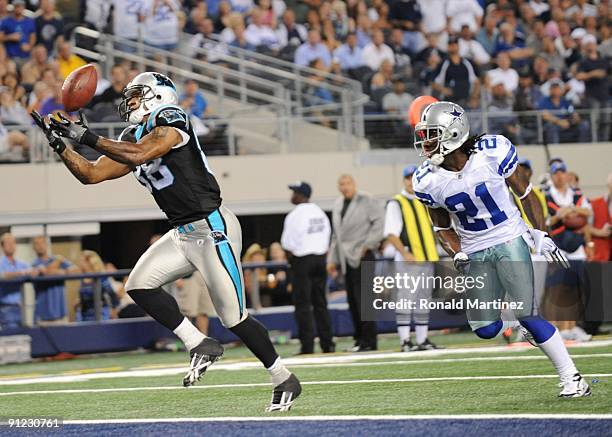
(357, 221)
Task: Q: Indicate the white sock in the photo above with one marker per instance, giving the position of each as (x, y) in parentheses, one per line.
(556, 351)
(189, 334)
(421, 333)
(404, 333)
(278, 372)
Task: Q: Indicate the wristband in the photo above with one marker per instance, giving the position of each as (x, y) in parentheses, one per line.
(90, 139)
(527, 191)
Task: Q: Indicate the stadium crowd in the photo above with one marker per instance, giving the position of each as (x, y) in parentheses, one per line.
(495, 56)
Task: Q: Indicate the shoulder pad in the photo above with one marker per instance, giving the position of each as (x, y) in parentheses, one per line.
(129, 134)
(169, 115)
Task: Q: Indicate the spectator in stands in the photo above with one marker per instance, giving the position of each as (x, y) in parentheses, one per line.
(3, 9)
(268, 14)
(49, 25)
(383, 77)
(501, 119)
(31, 71)
(595, 71)
(290, 33)
(160, 18)
(90, 262)
(398, 101)
(471, 49)
(259, 34)
(50, 296)
(39, 94)
(242, 6)
(18, 33)
(312, 50)
(460, 12)
(254, 254)
(193, 100)
(433, 18)
(432, 47)
(349, 55)
(97, 14)
(113, 94)
(278, 282)
(429, 73)
(526, 98)
(198, 13)
(12, 111)
(11, 85)
(53, 103)
(550, 53)
(7, 65)
(10, 294)
(507, 41)
(503, 74)
(329, 36)
(240, 40)
(126, 23)
(488, 34)
(601, 229)
(535, 39)
(539, 70)
(67, 61)
(14, 145)
(456, 80)
(562, 123)
(377, 51)
(400, 52)
(406, 15)
(204, 44)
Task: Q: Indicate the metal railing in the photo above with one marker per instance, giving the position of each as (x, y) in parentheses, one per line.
(28, 306)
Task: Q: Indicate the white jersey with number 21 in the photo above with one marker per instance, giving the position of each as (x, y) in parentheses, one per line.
(477, 197)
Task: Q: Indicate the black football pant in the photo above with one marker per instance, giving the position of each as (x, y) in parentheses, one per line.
(365, 332)
(309, 279)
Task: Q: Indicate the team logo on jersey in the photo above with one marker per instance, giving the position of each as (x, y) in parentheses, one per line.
(218, 237)
(173, 115)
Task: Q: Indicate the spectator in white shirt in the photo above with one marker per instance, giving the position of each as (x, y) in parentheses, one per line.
(259, 34)
(289, 32)
(470, 48)
(503, 74)
(306, 235)
(460, 12)
(377, 51)
(434, 16)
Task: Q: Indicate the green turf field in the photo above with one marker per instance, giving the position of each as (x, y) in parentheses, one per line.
(462, 379)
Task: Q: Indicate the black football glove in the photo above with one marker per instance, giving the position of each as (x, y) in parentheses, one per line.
(55, 142)
(77, 131)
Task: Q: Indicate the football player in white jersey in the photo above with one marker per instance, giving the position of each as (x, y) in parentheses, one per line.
(464, 182)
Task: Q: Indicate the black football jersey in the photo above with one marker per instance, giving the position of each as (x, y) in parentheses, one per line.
(181, 181)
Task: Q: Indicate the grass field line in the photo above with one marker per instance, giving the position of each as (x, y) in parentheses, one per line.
(323, 362)
(263, 384)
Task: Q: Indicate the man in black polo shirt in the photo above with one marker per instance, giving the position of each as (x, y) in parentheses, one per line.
(457, 80)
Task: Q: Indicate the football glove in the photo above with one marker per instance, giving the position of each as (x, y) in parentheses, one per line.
(461, 262)
(77, 131)
(55, 142)
(541, 244)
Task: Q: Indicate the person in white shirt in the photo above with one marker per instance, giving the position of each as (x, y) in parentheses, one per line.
(126, 20)
(306, 236)
(162, 23)
(503, 74)
(377, 51)
(471, 49)
(460, 12)
(434, 16)
(258, 34)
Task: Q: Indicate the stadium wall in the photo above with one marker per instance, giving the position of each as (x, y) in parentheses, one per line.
(251, 184)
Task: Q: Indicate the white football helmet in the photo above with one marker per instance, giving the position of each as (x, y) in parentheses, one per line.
(444, 127)
(153, 90)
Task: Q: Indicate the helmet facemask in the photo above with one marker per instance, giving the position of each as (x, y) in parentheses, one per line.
(144, 94)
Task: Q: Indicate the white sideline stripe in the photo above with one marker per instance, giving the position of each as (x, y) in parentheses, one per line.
(345, 418)
(263, 384)
(301, 363)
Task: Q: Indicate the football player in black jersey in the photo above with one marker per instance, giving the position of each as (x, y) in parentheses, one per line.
(163, 152)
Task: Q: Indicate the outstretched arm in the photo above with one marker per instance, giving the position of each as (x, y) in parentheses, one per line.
(530, 202)
(88, 172)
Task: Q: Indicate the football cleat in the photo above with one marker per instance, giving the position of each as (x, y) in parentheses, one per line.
(527, 336)
(407, 346)
(284, 394)
(574, 387)
(426, 346)
(202, 357)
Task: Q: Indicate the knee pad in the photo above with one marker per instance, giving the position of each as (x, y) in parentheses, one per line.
(540, 329)
(489, 331)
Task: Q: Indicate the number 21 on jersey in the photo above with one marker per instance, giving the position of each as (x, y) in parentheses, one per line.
(467, 216)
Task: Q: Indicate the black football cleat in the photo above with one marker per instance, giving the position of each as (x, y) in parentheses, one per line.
(202, 357)
(284, 394)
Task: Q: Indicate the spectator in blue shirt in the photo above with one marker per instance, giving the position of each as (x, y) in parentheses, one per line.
(50, 296)
(348, 55)
(193, 100)
(91, 262)
(10, 294)
(18, 33)
(312, 50)
(561, 122)
(507, 41)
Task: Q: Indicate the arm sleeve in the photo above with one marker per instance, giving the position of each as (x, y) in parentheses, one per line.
(506, 156)
(288, 235)
(393, 219)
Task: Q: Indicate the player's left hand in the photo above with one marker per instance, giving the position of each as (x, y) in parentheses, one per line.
(55, 142)
(64, 127)
(541, 243)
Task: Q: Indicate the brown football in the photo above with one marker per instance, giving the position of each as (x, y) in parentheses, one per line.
(574, 221)
(79, 87)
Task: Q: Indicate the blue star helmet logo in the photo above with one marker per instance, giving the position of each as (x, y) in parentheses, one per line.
(456, 114)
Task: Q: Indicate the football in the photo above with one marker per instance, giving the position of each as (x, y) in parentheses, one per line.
(574, 221)
(79, 87)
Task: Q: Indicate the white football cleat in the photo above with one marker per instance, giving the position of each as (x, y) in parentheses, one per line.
(201, 358)
(574, 387)
(284, 394)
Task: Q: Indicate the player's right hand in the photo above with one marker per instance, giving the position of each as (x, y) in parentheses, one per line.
(541, 243)
(461, 262)
(55, 142)
(64, 127)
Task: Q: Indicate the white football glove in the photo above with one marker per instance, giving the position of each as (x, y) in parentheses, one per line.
(461, 262)
(541, 243)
